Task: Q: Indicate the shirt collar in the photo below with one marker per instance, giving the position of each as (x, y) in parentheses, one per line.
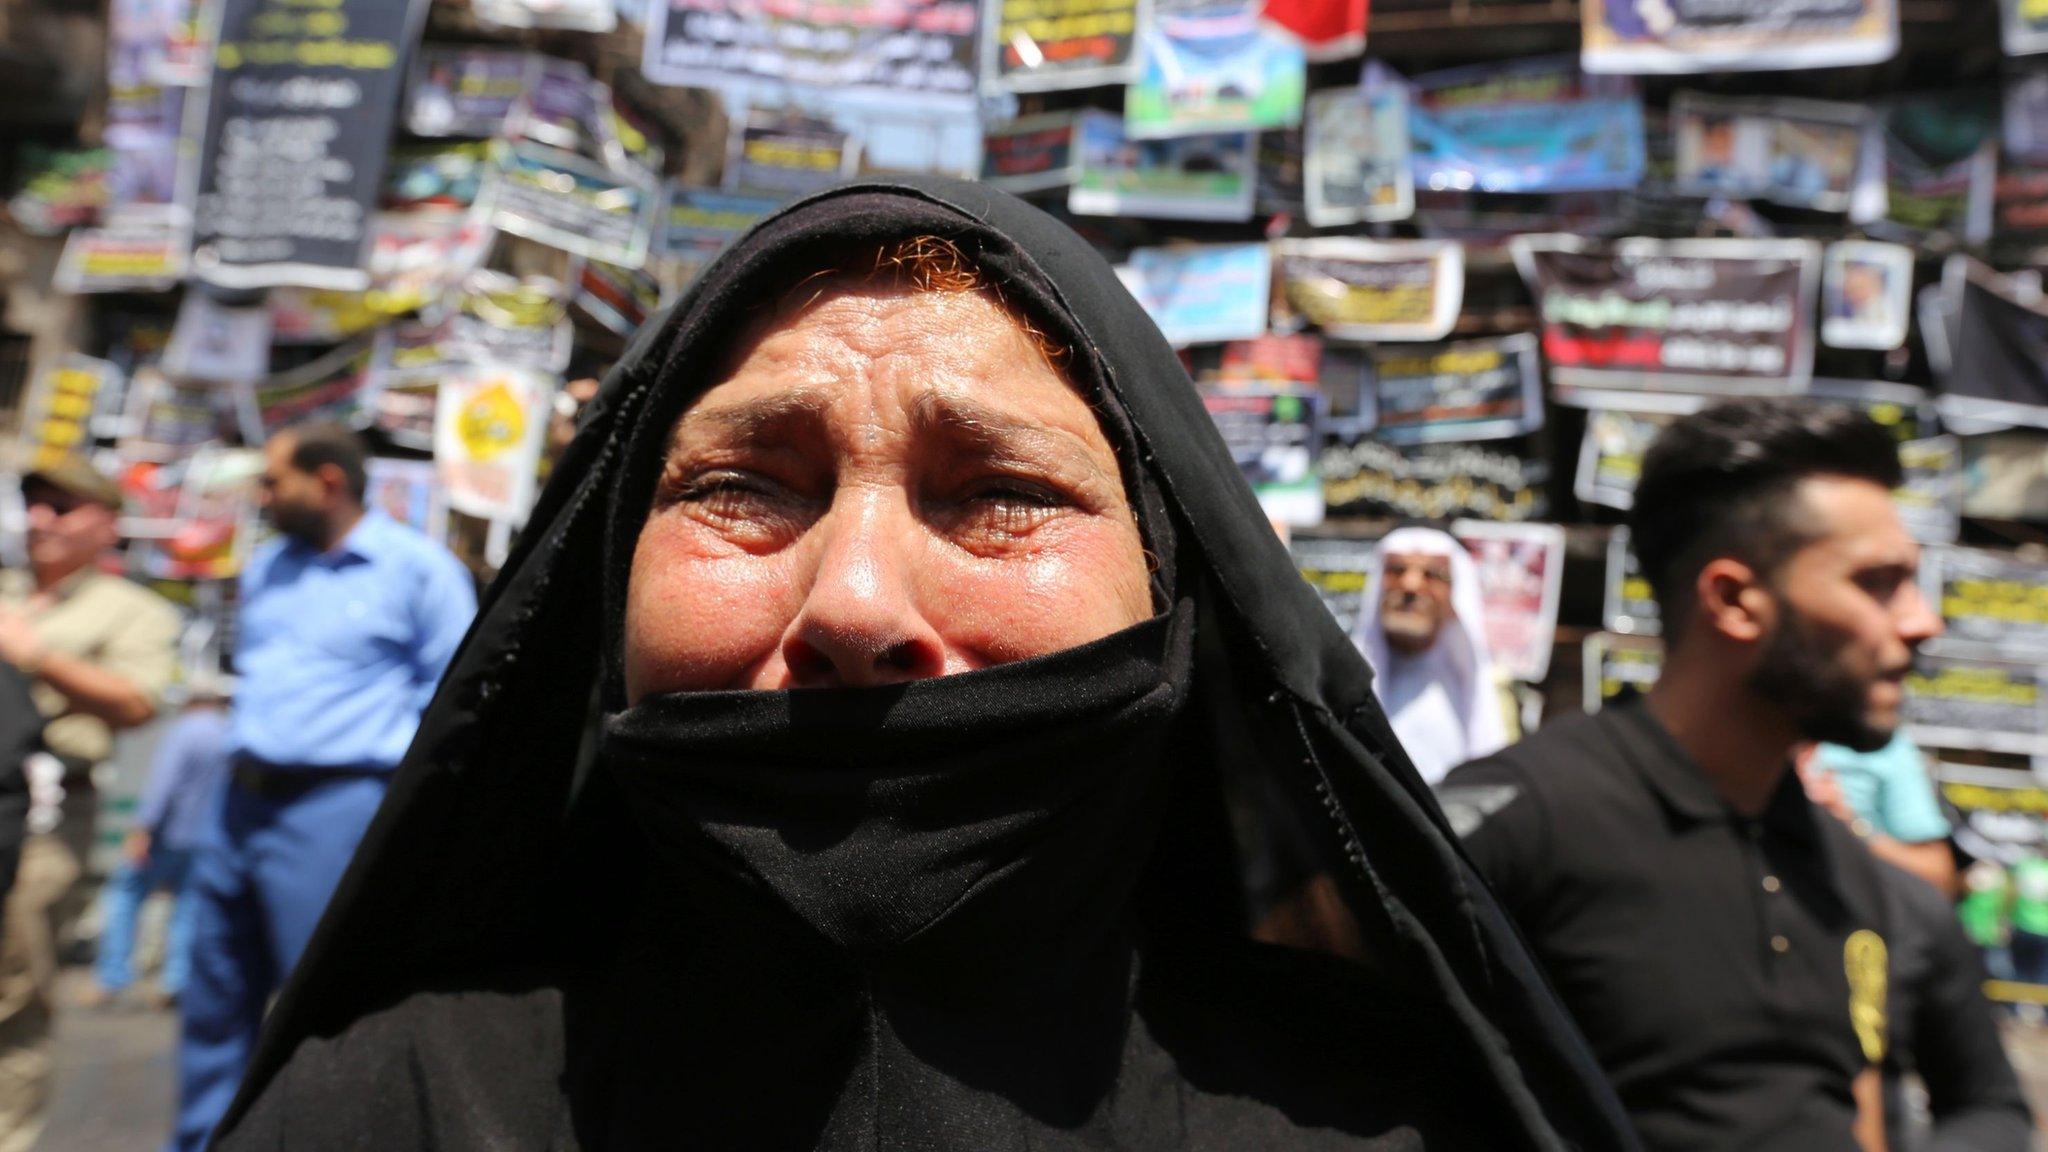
(1685, 791)
(366, 541)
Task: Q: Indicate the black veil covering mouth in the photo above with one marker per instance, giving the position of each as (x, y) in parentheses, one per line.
(484, 848)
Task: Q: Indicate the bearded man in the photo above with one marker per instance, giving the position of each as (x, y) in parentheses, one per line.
(1722, 941)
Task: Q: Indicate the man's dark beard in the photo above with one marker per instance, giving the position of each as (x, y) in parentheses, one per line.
(305, 526)
(1827, 702)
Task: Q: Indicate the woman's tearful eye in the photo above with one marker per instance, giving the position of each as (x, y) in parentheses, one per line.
(1004, 508)
(734, 500)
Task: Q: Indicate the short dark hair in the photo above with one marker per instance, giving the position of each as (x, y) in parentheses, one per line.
(327, 442)
(1720, 483)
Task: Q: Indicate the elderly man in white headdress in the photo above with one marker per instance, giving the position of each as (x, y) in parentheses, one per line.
(1426, 642)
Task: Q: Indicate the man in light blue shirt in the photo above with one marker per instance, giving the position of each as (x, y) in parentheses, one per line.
(347, 621)
(1887, 798)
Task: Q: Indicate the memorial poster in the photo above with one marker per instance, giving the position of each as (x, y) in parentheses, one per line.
(1686, 36)
(1372, 290)
(1977, 704)
(1525, 126)
(1866, 294)
(410, 493)
(565, 201)
(1031, 154)
(1184, 178)
(488, 427)
(466, 90)
(1468, 390)
(122, 258)
(1037, 45)
(1617, 668)
(56, 418)
(1630, 603)
(1521, 572)
(1339, 569)
(1357, 167)
(1805, 153)
(1202, 294)
(788, 156)
(1212, 69)
(1726, 317)
(1994, 604)
(1366, 476)
(295, 131)
(917, 51)
(1999, 364)
(1611, 456)
(1271, 432)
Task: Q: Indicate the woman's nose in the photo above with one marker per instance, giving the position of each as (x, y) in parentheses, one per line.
(861, 623)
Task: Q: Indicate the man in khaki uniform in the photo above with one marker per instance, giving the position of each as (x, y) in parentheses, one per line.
(98, 651)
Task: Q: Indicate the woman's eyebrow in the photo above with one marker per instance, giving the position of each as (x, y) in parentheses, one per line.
(997, 432)
(752, 421)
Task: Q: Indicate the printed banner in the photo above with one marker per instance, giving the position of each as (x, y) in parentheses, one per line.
(1611, 456)
(320, 315)
(1804, 153)
(56, 419)
(1208, 68)
(498, 319)
(330, 388)
(1029, 155)
(150, 176)
(409, 492)
(1340, 570)
(1618, 667)
(128, 258)
(1525, 126)
(787, 156)
(1365, 476)
(1999, 365)
(405, 384)
(1630, 604)
(1271, 433)
(1203, 294)
(1036, 45)
(921, 51)
(217, 343)
(1983, 705)
(1866, 294)
(700, 222)
(1719, 316)
(1357, 167)
(571, 203)
(488, 429)
(466, 90)
(1469, 390)
(295, 131)
(1371, 290)
(1994, 604)
(1940, 160)
(1188, 178)
(1521, 571)
(571, 15)
(1739, 36)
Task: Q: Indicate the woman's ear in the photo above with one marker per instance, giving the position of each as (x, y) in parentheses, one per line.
(1733, 603)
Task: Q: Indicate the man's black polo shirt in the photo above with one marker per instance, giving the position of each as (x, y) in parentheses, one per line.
(1707, 957)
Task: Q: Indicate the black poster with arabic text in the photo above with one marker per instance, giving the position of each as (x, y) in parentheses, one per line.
(296, 130)
(1999, 365)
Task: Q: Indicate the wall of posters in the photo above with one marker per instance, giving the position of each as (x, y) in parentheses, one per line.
(292, 151)
(1036, 45)
(1753, 35)
(1866, 294)
(488, 429)
(1525, 126)
(1521, 572)
(1628, 603)
(923, 51)
(1365, 476)
(1994, 604)
(1373, 290)
(1468, 390)
(1030, 154)
(1987, 705)
(1185, 178)
(1999, 365)
(1271, 432)
(1718, 316)
(1356, 165)
(1203, 294)
(1207, 68)
(1618, 667)
(465, 90)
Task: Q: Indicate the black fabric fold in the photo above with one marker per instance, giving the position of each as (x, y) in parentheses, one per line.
(516, 834)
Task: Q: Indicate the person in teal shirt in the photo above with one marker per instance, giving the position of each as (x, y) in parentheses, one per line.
(1888, 798)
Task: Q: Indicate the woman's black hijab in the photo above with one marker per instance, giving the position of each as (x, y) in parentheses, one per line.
(485, 848)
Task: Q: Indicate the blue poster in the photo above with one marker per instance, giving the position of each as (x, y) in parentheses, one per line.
(1203, 295)
(1579, 145)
